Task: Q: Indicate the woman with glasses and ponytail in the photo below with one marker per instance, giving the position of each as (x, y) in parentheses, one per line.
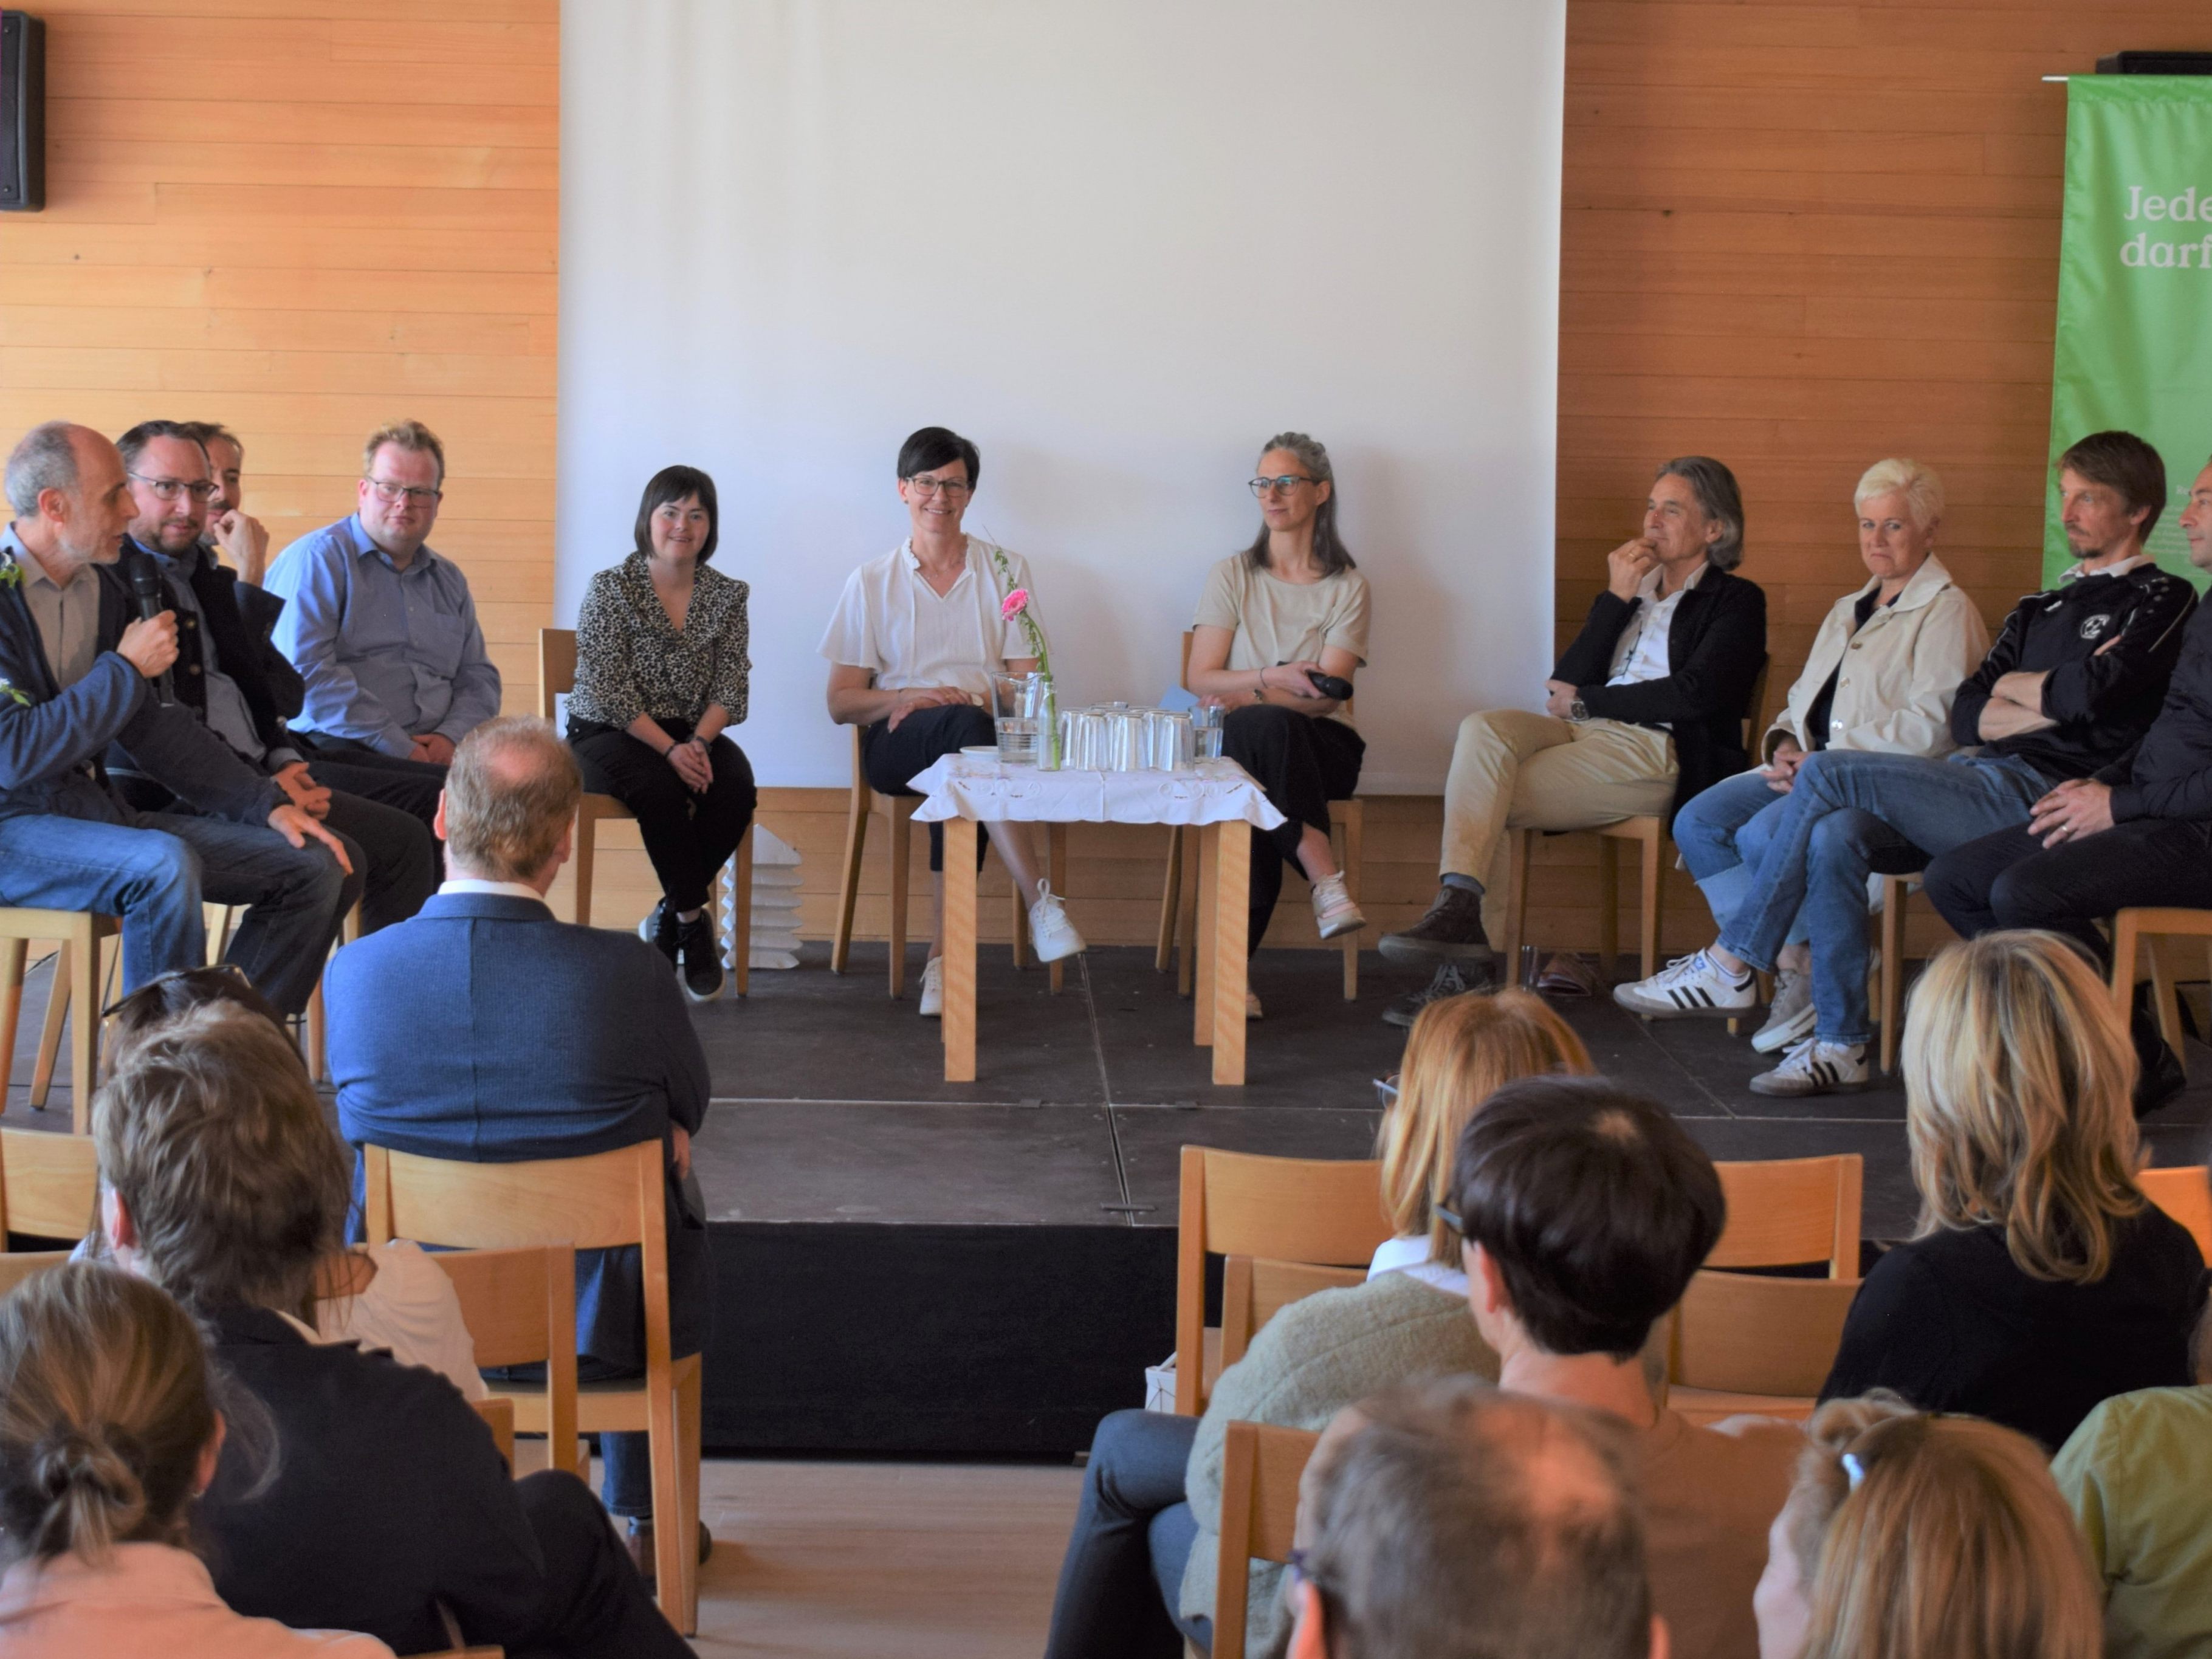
(1280, 630)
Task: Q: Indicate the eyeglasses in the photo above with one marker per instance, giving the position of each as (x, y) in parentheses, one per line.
(952, 488)
(415, 494)
(1450, 1217)
(1279, 486)
(168, 489)
(1301, 1572)
(1386, 1092)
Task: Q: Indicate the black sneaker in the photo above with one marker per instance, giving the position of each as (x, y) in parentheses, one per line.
(1450, 932)
(1451, 981)
(658, 930)
(703, 957)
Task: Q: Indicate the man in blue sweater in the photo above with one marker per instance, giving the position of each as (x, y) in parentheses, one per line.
(484, 1030)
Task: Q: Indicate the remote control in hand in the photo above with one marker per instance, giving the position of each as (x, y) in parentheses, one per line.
(1330, 685)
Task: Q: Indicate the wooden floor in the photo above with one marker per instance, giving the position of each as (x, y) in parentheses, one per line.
(819, 1560)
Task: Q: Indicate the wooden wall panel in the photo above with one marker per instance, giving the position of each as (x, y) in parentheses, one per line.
(305, 218)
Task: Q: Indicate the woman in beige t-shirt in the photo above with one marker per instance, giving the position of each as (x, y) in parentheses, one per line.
(1289, 606)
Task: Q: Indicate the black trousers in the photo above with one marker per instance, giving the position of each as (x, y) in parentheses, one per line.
(2009, 880)
(1302, 763)
(596, 1607)
(891, 759)
(687, 835)
(411, 786)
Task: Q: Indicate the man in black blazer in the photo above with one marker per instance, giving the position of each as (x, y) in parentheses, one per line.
(1644, 711)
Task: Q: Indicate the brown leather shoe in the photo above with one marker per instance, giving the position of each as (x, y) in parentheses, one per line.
(638, 1538)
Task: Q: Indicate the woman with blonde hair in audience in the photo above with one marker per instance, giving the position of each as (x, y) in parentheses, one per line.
(109, 1432)
(1138, 1575)
(2040, 1280)
(1908, 1536)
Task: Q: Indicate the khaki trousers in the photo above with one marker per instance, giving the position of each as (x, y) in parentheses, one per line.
(1515, 771)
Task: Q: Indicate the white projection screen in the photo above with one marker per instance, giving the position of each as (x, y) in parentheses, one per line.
(1118, 245)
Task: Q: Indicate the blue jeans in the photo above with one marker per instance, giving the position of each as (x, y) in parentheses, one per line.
(1849, 814)
(1722, 834)
(1121, 1584)
(155, 876)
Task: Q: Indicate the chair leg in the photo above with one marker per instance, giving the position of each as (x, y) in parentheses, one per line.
(672, 1547)
(1056, 866)
(50, 1030)
(1170, 898)
(689, 1389)
(1351, 857)
(586, 834)
(1608, 907)
(1017, 923)
(13, 954)
(1522, 847)
(901, 848)
(1186, 909)
(316, 1048)
(740, 876)
(84, 1038)
(2166, 995)
(1655, 895)
(848, 884)
(1895, 897)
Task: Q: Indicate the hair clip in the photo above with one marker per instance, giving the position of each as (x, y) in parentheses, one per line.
(1853, 1470)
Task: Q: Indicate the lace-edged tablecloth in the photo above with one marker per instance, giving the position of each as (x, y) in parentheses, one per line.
(986, 790)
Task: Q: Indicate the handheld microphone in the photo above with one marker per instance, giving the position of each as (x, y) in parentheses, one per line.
(146, 591)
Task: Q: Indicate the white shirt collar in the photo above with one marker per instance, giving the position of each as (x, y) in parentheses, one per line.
(1648, 589)
(500, 889)
(2122, 568)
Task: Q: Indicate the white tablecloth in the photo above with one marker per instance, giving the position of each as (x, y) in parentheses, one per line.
(973, 787)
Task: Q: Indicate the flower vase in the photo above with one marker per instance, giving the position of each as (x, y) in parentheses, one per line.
(1048, 713)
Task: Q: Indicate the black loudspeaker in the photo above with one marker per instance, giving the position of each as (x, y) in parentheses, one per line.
(2156, 62)
(22, 112)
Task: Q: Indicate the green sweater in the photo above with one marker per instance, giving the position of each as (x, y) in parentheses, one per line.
(2138, 1472)
(1319, 1355)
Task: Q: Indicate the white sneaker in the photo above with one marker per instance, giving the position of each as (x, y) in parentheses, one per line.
(1688, 986)
(933, 989)
(1050, 931)
(1334, 912)
(1789, 1017)
(1815, 1067)
(1252, 1004)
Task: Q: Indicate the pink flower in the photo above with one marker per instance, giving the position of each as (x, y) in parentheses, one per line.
(1017, 603)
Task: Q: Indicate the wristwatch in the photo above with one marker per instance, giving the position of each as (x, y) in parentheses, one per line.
(1578, 710)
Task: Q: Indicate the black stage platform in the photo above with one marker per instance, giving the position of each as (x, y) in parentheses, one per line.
(906, 1265)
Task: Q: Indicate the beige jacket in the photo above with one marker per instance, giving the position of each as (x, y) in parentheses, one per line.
(1894, 694)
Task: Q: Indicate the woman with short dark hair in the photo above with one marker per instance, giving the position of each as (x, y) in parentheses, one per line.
(661, 669)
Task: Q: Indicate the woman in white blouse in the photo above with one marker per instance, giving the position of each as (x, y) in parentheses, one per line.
(914, 638)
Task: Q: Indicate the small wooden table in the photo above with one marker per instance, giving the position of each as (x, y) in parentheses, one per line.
(1219, 799)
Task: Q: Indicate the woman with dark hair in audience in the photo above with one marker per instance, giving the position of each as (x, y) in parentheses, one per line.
(1290, 607)
(1139, 1570)
(662, 667)
(915, 637)
(109, 1432)
(1908, 1536)
(2040, 1280)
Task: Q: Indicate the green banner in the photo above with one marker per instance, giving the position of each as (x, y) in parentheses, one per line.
(2135, 287)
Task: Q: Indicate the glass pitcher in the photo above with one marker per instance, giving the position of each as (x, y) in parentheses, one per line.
(1025, 711)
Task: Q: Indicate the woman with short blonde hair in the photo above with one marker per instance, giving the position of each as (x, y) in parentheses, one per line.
(1908, 1536)
(2040, 1280)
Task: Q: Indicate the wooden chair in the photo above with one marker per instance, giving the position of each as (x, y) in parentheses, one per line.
(1889, 1003)
(519, 1306)
(1783, 1213)
(1320, 1211)
(604, 1201)
(498, 1414)
(897, 812)
(1254, 1291)
(1744, 1342)
(2182, 1194)
(1261, 1467)
(1178, 931)
(557, 678)
(49, 1185)
(77, 977)
(1648, 832)
(21, 1265)
(2145, 929)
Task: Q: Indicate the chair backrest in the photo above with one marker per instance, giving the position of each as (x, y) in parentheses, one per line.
(1785, 1212)
(1260, 1466)
(49, 1185)
(1254, 1291)
(17, 1265)
(519, 1305)
(2183, 1194)
(1321, 1212)
(556, 667)
(1751, 1333)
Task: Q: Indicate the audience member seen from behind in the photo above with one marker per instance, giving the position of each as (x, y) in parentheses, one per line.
(662, 667)
(487, 1031)
(1909, 1536)
(2073, 681)
(1885, 667)
(1586, 1210)
(382, 626)
(2040, 1280)
(1291, 607)
(1461, 1521)
(1644, 711)
(1141, 1566)
(915, 635)
(396, 1299)
(109, 1432)
(389, 1509)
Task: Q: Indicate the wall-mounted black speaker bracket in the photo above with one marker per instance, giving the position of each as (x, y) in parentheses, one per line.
(22, 112)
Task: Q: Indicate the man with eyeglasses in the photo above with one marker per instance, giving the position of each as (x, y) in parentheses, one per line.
(234, 678)
(76, 678)
(380, 626)
(230, 530)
